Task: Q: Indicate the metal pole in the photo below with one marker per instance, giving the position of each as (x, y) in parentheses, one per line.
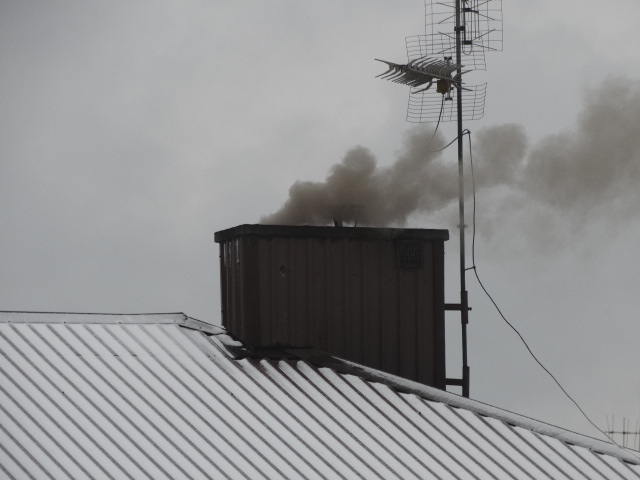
(464, 304)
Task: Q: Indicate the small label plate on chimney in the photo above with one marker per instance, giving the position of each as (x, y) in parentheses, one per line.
(409, 253)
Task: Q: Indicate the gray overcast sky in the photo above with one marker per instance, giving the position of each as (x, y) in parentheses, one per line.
(132, 131)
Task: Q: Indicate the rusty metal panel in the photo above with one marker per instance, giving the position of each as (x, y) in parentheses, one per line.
(368, 295)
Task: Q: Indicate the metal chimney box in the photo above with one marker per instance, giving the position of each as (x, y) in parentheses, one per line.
(374, 296)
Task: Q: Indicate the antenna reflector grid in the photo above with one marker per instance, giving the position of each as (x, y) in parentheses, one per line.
(481, 22)
(442, 46)
(425, 106)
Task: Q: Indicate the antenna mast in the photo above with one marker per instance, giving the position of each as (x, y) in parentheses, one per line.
(464, 30)
(464, 299)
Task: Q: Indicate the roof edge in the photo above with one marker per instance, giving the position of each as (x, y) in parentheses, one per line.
(325, 360)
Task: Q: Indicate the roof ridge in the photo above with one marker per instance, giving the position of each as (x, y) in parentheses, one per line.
(88, 313)
(78, 317)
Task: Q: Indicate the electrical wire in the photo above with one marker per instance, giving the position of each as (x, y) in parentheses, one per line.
(464, 132)
(437, 125)
(445, 147)
(475, 271)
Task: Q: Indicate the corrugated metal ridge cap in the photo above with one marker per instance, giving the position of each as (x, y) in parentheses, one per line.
(321, 359)
(177, 318)
(209, 328)
(309, 231)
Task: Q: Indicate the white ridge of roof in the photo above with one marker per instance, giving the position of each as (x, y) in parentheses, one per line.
(167, 396)
(178, 318)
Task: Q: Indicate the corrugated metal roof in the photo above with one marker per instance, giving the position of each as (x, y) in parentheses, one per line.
(166, 396)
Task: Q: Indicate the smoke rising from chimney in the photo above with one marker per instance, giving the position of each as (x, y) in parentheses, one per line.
(591, 170)
(418, 180)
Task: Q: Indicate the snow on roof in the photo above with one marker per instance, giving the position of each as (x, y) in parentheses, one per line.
(166, 396)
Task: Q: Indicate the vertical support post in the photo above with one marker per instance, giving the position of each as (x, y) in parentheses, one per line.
(464, 304)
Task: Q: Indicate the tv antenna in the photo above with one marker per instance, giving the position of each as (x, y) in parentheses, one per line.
(456, 32)
(630, 438)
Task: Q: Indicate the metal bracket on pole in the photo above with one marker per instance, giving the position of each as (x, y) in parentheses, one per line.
(455, 306)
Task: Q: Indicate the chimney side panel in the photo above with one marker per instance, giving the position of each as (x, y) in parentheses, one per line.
(356, 286)
(301, 281)
(372, 304)
(389, 357)
(425, 297)
(335, 340)
(266, 289)
(372, 296)
(408, 292)
(438, 328)
(318, 288)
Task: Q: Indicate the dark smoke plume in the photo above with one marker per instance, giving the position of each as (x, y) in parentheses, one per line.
(592, 170)
(418, 180)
